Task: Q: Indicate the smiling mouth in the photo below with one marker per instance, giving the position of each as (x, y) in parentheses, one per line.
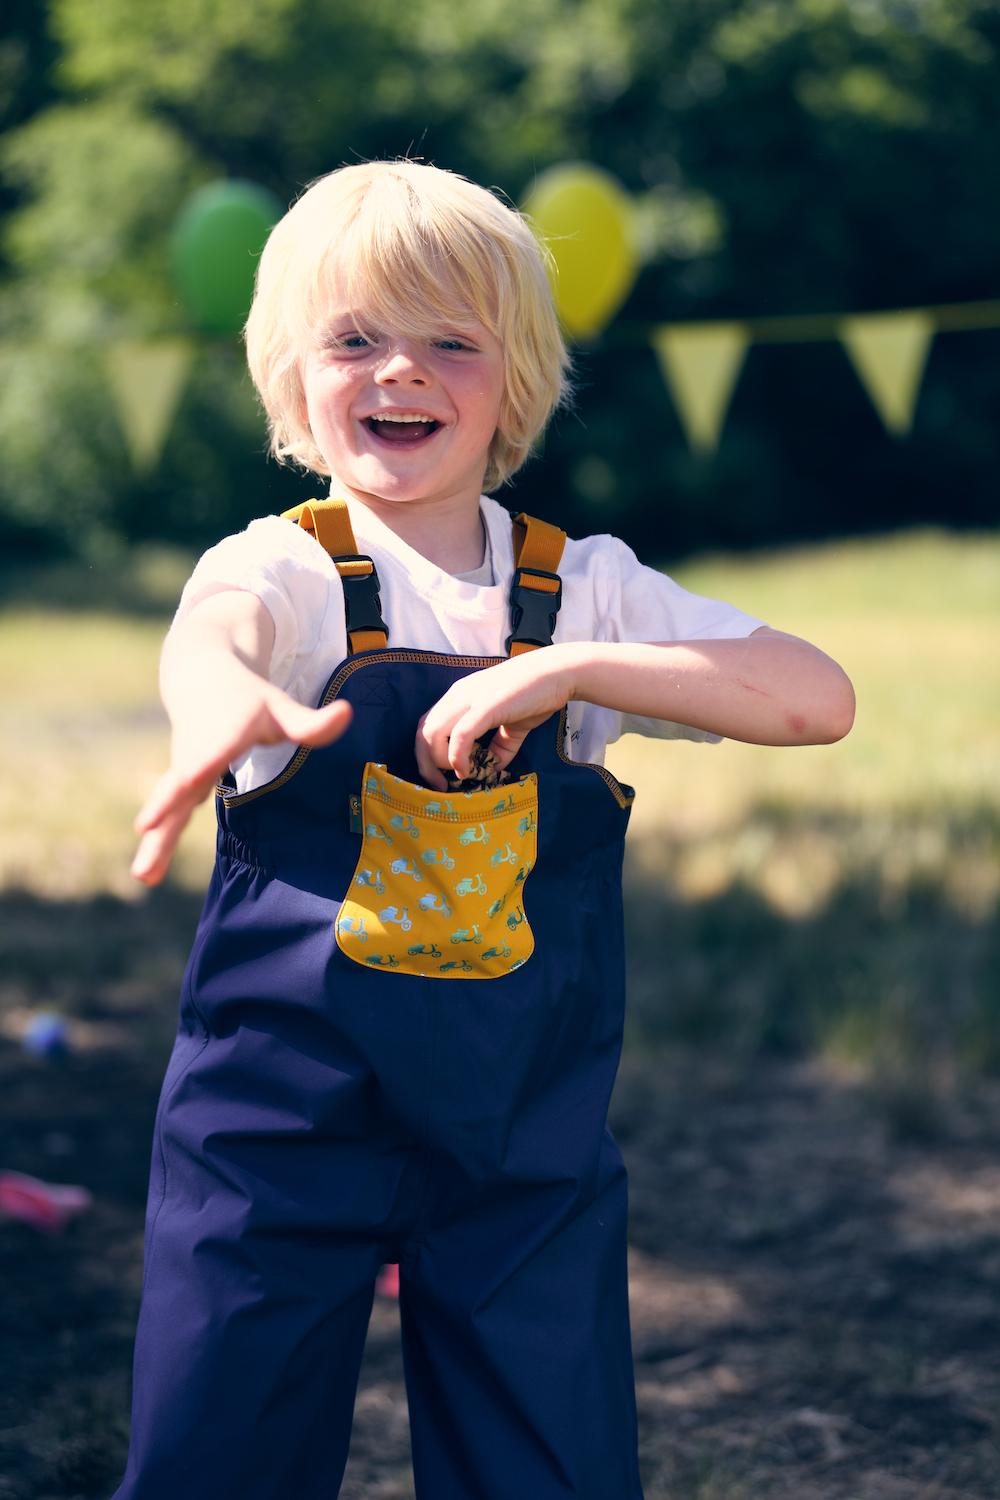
(400, 434)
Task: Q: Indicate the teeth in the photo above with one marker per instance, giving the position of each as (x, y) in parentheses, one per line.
(395, 417)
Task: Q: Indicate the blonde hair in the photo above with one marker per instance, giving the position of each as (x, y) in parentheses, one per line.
(412, 246)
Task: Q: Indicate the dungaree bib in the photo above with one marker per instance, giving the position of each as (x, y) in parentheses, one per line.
(399, 1028)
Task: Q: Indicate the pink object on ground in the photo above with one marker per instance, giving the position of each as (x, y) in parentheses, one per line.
(44, 1205)
(387, 1283)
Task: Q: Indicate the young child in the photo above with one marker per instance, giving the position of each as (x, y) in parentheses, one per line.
(400, 697)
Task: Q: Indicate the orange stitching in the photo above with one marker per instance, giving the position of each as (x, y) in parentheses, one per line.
(236, 799)
(529, 801)
(232, 798)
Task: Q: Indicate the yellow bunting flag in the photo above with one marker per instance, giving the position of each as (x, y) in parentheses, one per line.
(889, 351)
(147, 380)
(701, 363)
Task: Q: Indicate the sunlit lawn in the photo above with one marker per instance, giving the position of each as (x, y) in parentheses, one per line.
(902, 811)
(914, 621)
(811, 1050)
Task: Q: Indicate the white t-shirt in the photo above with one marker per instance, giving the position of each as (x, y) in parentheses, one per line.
(608, 595)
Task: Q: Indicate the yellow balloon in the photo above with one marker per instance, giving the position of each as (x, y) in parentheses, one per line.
(584, 216)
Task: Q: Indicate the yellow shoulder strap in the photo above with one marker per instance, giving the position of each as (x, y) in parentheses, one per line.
(538, 544)
(536, 591)
(329, 522)
(538, 548)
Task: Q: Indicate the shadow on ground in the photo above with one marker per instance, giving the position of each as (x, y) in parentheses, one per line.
(813, 1274)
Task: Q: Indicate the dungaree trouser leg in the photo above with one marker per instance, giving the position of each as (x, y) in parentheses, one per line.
(321, 1115)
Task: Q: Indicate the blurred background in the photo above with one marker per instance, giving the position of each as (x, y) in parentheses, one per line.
(788, 398)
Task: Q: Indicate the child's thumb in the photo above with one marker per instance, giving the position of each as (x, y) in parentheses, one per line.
(505, 744)
(313, 726)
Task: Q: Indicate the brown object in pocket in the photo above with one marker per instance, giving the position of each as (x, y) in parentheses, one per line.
(484, 776)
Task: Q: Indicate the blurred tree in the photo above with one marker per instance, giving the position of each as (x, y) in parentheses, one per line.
(787, 156)
(26, 54)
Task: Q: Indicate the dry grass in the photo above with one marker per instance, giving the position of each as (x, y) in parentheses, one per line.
(806, 1103)
(863, 875)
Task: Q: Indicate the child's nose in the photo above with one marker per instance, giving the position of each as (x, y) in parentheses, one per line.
(403, 359)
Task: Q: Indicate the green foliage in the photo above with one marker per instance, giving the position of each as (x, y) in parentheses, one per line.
(179, 45)
(784, 155)
(105, 182)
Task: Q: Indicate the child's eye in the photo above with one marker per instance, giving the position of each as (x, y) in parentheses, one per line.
(344, 341)
(452, 343)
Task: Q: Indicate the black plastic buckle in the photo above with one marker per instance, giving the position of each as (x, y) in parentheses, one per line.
(362, 603)
(533, 611)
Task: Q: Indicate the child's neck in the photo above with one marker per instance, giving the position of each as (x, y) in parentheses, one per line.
(451, 535)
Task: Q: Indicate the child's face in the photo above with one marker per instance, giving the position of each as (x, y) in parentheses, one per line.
(455, 378)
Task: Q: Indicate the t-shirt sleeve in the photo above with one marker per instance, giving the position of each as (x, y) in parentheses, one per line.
(641, 603)
(288, 573)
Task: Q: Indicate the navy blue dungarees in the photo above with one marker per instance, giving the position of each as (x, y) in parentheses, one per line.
(443, 1105)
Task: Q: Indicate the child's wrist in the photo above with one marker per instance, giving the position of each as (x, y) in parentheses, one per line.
(574, 660)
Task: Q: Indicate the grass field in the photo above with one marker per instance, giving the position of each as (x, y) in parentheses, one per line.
(839, 897)
(808, 1103)
(913, 618)
(834, 896)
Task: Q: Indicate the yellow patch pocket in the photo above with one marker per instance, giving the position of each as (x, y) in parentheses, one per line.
(438, 887)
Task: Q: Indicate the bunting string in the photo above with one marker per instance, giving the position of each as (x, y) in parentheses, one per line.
(701, 364)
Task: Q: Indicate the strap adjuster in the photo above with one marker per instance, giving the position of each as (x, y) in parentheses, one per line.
(533, 611)
(362, 603)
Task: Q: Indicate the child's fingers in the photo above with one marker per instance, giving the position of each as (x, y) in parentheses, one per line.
(424, 756)
(146, 859)
(156, 803)
(460, 746)
(311, 726)
(468, 730)
(436, 743)
(432, 744)
(329, 723)
(505, 744)
(171, 793)
(166, 811)
(156, 849)
(429, 772)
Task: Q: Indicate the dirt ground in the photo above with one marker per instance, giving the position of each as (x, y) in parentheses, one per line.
(814, 1300)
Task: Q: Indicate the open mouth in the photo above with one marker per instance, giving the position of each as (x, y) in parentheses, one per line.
(400, 434)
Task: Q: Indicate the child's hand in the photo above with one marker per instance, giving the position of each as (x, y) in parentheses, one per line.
(237, 712)
(511, 697)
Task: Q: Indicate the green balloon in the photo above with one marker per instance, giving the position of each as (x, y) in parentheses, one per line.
(216, 242)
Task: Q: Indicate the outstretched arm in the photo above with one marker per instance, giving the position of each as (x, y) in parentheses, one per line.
(213, 681)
